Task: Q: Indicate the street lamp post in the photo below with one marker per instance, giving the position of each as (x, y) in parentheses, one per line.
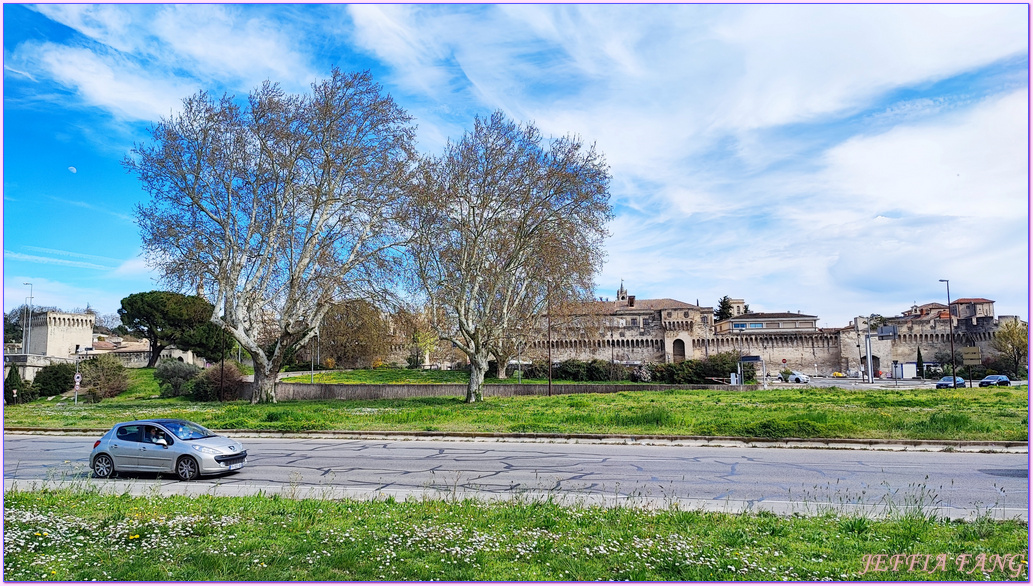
(28, 322)
(950, 323)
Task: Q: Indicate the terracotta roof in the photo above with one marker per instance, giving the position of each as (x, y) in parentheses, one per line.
(610, 307)
(103, 345)
(656, 304)
(971, 300)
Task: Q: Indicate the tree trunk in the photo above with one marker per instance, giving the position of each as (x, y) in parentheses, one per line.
(501, 366)
(156, 351)
(478, 366)
(263, 390)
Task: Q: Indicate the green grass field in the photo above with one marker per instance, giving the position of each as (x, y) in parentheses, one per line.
(992, 414)
(80, 535)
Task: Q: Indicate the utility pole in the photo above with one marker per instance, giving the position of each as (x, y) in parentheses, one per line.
(28, 323)
(548, 322)
(950, 316)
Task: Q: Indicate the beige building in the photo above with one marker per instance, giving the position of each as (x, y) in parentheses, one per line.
(631, 331)
(55, 333)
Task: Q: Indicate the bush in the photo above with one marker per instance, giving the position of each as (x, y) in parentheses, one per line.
(13, 382)
(54, 379)
(173, 376)
(104, 375)
(222, 382)
(700, 372)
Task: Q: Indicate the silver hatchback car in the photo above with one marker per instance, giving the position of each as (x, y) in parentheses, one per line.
(165, 445)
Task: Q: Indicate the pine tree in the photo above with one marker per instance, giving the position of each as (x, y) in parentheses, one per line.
(921, 364)
(14, 382)
(724, 309)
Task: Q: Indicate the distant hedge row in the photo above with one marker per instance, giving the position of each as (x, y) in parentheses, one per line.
(695, 372)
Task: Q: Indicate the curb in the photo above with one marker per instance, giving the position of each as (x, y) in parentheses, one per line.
(684, 440)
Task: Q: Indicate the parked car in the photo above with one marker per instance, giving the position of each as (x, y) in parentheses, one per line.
(175, 446)
(995, 380)
(794, 377)
(947, 382)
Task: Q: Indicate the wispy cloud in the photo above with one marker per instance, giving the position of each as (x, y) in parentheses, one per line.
(811, 157)
(93, 207)
(72, 254)
(49, 260)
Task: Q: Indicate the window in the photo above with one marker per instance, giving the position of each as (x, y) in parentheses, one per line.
(645, 322)
(756, 325)
(704, 319)
(620, 323)
(129, 433)
(668, 314)
(686, 314)
(739, 326)
(634, 322)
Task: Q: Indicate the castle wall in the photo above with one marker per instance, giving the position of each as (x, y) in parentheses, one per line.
(803, 351)
(56, 333)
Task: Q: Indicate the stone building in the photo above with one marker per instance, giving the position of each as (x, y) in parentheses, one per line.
(56, 333)
(970, 322)
(630, 331)
(54, 336)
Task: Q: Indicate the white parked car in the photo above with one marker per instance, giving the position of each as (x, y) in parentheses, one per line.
(794, 377)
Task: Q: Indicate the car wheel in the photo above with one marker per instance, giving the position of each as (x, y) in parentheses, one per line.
(103, 466)
(186, 468)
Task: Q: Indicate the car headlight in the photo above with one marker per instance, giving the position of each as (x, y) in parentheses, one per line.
(205, 450)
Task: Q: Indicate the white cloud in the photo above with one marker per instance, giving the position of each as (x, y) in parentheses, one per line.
(971, 165)
(109, 82)
(49, 260)
(147, 58)
(134, 267)
(61, 294)
(800, 61)
(224, 42)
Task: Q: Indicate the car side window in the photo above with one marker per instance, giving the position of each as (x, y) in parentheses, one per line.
(152, 434)
(129, 433)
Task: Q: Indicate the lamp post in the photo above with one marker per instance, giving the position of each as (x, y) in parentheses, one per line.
(548, 326)
(28, 323)
(950, 316)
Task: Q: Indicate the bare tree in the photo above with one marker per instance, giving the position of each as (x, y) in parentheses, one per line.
(1012, 340)
(503, 221)
(277, 208)
(354, 333)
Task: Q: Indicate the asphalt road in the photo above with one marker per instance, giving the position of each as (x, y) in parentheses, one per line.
(805, 481)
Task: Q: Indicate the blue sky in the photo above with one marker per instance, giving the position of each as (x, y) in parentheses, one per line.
(832, 159)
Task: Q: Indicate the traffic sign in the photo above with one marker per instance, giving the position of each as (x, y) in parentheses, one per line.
(77, 386)
(971, 356)
(783, 361)
(78, 378)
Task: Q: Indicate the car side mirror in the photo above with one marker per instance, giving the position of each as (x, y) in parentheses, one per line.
(162, 442)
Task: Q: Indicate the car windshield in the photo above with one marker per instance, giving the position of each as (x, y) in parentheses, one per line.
(186, 430)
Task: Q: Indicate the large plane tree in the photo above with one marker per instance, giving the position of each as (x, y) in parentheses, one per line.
(506, 220)
(277, 207)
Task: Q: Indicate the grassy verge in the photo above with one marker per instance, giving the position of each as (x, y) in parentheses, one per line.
(81, 535)
(992, 414)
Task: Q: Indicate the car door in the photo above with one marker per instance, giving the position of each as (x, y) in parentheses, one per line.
(125, 447)
(153, 456)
